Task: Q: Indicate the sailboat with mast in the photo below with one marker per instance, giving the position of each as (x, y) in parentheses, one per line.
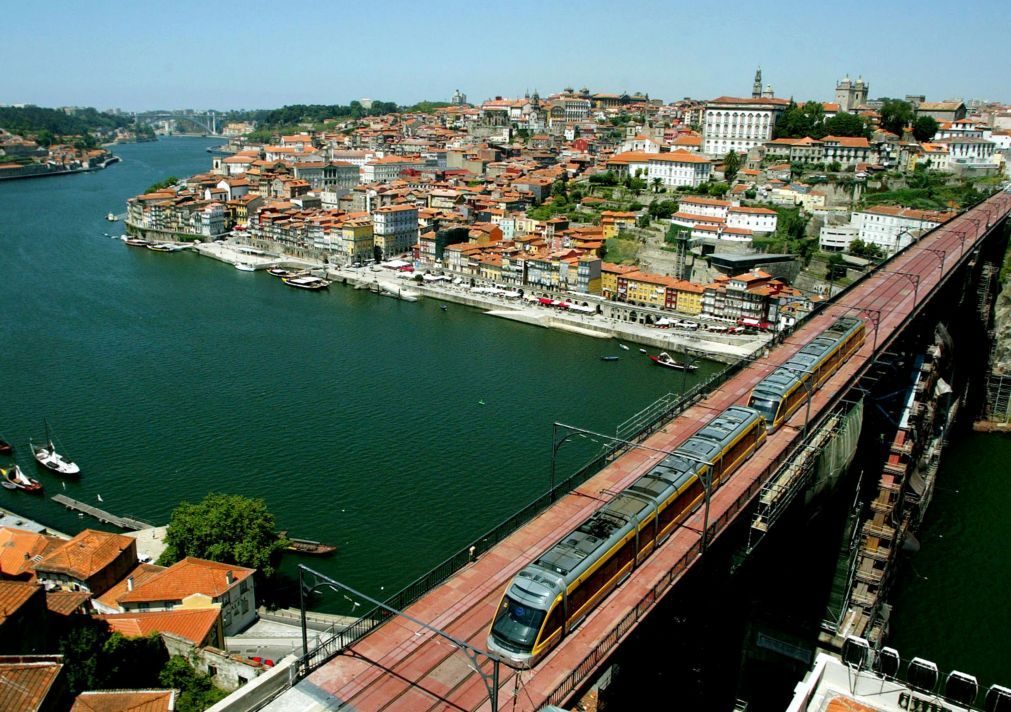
(47, 456)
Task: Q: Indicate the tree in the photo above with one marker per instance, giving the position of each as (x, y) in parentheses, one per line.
(196, 691)
(896, 115)
(718, 190)
(836, 267)
(866, 250)
(844, 124)
(558, 191)
(657, 185)
(924, 128)
(662, 208)
(731, 164)
(800, 121)
(79, 647)
(154, 187)
(228, 528)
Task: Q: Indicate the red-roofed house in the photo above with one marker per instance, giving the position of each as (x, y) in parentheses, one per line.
(199, 626)
(92, 561)
(197, 583)
(125, 701)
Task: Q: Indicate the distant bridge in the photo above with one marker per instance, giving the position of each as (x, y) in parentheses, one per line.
(206, 120)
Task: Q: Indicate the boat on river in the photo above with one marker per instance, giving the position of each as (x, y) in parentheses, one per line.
(609, 358)
(166, 247)
(6, 448)
(136, 242)
(53, 461)
(308, 546)
(306, 282)
(282, 272)
(668, 361)
(112, 218)
(13, 476)
(245, 267)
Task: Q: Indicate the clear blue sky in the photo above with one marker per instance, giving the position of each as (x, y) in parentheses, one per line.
(255, 54)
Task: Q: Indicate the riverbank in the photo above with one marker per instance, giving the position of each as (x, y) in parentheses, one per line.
(725, 348)
(43, 170)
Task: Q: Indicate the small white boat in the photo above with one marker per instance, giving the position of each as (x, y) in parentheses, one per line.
(623, 347)
(14, 478)
(307, 282)
(666, 360)
(111, 218)
(244, 267)
(642, 351)
(47, 456)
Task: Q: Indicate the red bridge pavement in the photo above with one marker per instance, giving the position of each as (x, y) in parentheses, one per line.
(401, 666)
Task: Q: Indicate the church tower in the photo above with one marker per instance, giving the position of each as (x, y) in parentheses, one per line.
(756, 89)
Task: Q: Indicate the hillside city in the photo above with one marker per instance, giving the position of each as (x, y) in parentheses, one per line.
(733, 216)
(728, 209)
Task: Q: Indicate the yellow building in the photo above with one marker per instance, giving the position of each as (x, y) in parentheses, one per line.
(689, 297)
(614, 222)
(357, 240)
(609, 274)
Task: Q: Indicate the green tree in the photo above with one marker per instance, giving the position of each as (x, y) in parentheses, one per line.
(559, 191)
(718, 190)
(662, 208)
(171, 180)
(896, 115)
(799, 121)
(924, 128)
(132, 662)
(229, 528)
(196, 690)
(866, 250)
(835, 166)
(731, 164)
(79, 646)
(845, 124)
(836, 267)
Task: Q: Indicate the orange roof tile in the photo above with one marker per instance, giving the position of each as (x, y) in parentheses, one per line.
(65, 603)
(20, 550)
(186, 577)
(125, 701)
(139, 575)
(13, 595)
(86, 554)
(27, 681)
(192, 624)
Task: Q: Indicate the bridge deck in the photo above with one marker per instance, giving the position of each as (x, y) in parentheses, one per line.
(402, 666)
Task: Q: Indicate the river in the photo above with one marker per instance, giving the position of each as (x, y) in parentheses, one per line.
(395, 430)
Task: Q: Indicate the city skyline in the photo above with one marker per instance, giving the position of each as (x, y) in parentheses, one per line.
(139, 58)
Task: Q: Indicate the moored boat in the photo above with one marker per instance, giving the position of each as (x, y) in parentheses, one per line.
(245, 267)
(668, 361)
(609, 358)
(14, 476)
(47, 456)
(282, 272)
(111, 217)
(306, 282)
(137, 242)
(308, 546)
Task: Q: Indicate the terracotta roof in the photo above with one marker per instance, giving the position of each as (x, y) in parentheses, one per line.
(695, 200)
(65, 603)
(13, 595)
(86, 554)
(27, 681)
(125, 701)
(186, 577)
(19, 549)
(739, 100)
(192, 624)
(848, 141)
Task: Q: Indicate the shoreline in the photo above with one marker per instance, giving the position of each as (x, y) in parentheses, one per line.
(47, 174)
(724, 349)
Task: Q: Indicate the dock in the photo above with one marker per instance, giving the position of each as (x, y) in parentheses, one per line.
(101, 515)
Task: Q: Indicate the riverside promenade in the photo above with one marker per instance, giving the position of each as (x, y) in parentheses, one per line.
(727, 348)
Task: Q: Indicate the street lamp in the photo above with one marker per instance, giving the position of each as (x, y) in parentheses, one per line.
(491, 682)
(686, 364)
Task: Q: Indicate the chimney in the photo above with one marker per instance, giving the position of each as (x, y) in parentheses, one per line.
(229, 579)
(129, 583)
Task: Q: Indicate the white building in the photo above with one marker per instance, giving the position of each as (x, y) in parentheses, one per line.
(967, 150)
(847, 150)
(837, 238)
(892, 228)
(754, 219)
(734, 124)
(710, 207)
(675, 168)
(396, 228)
(388, 168)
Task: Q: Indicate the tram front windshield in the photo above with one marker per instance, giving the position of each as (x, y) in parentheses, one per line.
(517, 623)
